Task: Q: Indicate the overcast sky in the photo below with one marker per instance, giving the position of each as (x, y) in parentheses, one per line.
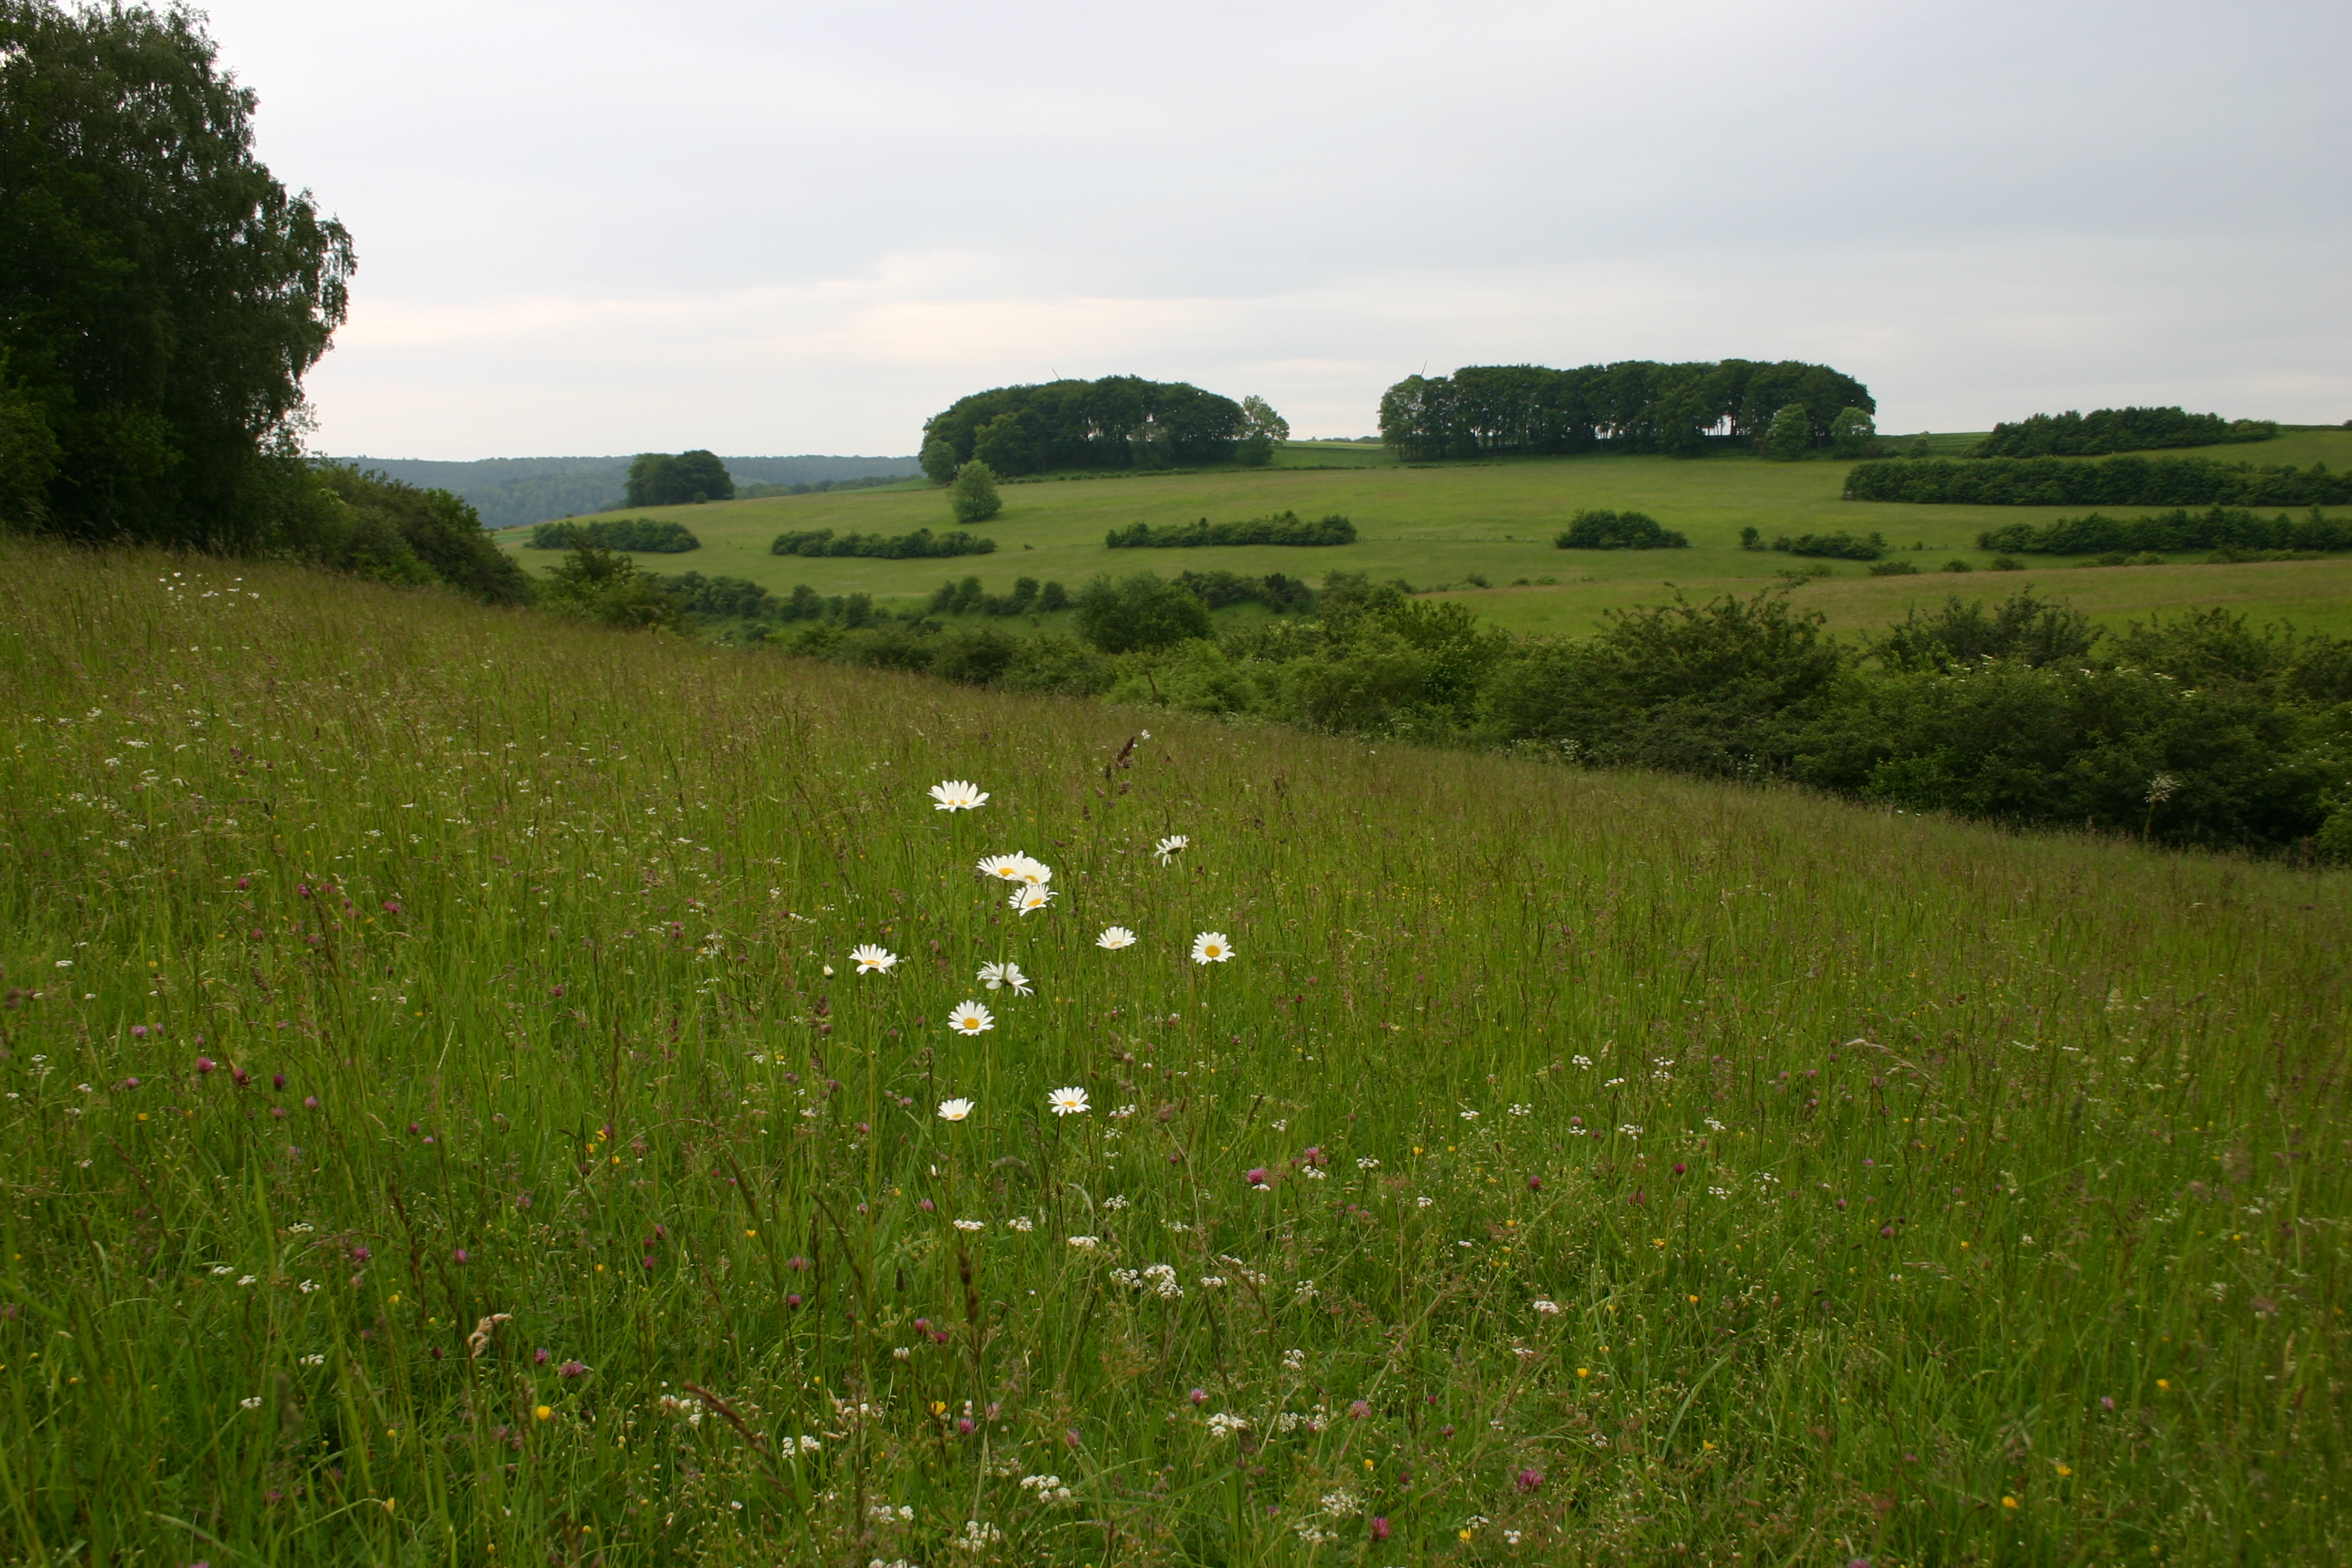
(589, 228)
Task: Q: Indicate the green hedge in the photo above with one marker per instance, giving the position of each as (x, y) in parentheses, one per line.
(919, 545)
(2222, 528)
(2109, 481)
(639, 533)
(1283, 528)
(1618, 531)
(2104, 430)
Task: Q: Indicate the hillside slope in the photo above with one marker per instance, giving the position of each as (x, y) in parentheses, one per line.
(445, 1119)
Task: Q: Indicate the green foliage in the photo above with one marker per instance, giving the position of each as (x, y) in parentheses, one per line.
(380, 528)
(722, 598)
(1894, 569)
(1138, 611)
(2104, 430)
(972, 498)
(661, 536)
(939, 460)
(1282, 528)
(819, 487)
(1119, 422)
(1633, 406)
(161, 294)
(607, 587)
(1028, 597)
(2220, 528)
(1265, 431)
(921, 544)
(1838, 546)
(1790, 435)
(682, 479)
(1277, 591)
(2023, 629)
(1594, 530)
(1853, 432)
(2109, 481)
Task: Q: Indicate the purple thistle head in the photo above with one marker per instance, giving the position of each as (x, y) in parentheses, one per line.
(793, 1299)
(1256, 1176)
(1528, 1479)
(540, 1356)
(205, 1064)
(1380, 1527)
(461, 1256)
(278, 1081)
(1360, 1411)
(572, 1369)
(1199, 1397)
(138, 1031)
(310, 1102)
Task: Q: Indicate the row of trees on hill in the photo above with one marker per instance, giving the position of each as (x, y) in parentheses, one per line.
(1118, 422)
(677, 478)
(2105, 430)
(1633, 406)
(2125, 481)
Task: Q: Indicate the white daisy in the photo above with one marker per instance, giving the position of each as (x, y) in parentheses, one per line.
(954, 1110)
(871, 959)
(1067, 1102)
(1114, 938)
(1171, 847)
(1211, 947)
(971, 1018)
(1015, 868)
(1032, 897)
(957, 794)
(994, 975)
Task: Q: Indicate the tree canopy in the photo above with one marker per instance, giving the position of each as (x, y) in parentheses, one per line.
(2105, 430)
(1633, 406)
(1119, 422)
(681, 478)
(161, 295)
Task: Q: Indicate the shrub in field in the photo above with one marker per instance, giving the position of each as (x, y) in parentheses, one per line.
(1283, 528)
(973, 497)
(1618, 531)
(2023, 628)
(396, 533)
(1140, 612)
(2219, 527)
(651, 535)
(1839, 546)
(1894, 569)
(919, 545)
(607, 587)
(1791, 433)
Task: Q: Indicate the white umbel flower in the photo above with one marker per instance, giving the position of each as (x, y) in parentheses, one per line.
(1067, 1102)
(1114, 938)
(1030, 900)
(872, 959)
(954, 1110)
(994, 975)
(1211, 947)
(971, 1018)
(1168, 848)
(959, 795)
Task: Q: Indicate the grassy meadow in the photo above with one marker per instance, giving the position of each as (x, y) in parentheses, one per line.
(444, 1123)
(1441, 524)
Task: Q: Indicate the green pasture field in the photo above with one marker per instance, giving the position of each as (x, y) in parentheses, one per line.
(444, 1123)
(1440, 524)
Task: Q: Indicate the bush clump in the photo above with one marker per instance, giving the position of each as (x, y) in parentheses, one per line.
(2219, 527)
(1618, 531)
(1282, 528)
(2105, 430)
(920, 545)
(1838, 546)
(649, 535)
(2108, 481)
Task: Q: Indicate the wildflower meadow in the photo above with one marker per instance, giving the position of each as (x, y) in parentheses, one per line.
(482, 1089)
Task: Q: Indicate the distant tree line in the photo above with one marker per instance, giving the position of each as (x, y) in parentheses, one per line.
(1118, 422)
(1838, 546)
(2105, 430)
(2221, 528)
(2109, 481)
(1618, 531)
(819, 487)
(1282, 528)
(678, 479)
(1028, 597)
(655, 536)
(1633, 406)
(919, 544)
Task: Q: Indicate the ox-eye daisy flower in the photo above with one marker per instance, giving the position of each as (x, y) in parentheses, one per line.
(1016, 867)
(871, 959)
(1067, 1102)
(1032, 897)
(1114, 938)
(971, 1018)
(957, 794)
(1211, 947)
(1171, 847)
(993, 976)
(954, 1110)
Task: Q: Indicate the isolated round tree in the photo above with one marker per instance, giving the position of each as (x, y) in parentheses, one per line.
(1791, 433)
(972, 498)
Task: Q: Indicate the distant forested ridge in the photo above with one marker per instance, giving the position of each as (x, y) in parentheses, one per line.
(2105, 430)
(1633, 406)
(511, 491)
(1119, 422)
(2109, 481)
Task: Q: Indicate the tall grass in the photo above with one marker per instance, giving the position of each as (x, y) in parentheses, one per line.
(1649, 1171)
